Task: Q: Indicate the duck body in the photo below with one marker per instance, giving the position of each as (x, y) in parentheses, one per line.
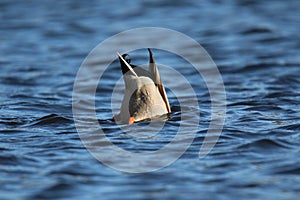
(144, 96)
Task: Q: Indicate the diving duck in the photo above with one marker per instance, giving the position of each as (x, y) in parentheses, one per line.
(145, 96)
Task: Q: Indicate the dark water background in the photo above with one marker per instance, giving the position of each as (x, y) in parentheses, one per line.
(256, 47)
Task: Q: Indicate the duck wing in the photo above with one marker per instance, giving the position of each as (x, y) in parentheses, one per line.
(157, 80)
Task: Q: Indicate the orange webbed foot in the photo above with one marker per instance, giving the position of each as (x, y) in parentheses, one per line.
(131, 120)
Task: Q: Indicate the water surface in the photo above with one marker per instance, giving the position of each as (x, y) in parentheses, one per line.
(256, 47)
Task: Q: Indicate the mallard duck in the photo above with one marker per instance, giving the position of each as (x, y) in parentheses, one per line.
(145, 96)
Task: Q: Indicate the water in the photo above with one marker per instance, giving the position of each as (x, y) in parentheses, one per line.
(256, 47)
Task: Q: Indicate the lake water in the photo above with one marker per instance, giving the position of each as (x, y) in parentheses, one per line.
(255, 45)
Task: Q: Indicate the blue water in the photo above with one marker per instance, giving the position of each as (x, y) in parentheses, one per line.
(255, 45)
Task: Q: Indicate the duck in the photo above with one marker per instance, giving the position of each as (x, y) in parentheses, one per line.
(144, 97)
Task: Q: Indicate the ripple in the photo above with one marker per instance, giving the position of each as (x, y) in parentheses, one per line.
(51, 119)
(293, 127)
(265, 145)
(9, 160)
(257, 30)
(290, 170)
